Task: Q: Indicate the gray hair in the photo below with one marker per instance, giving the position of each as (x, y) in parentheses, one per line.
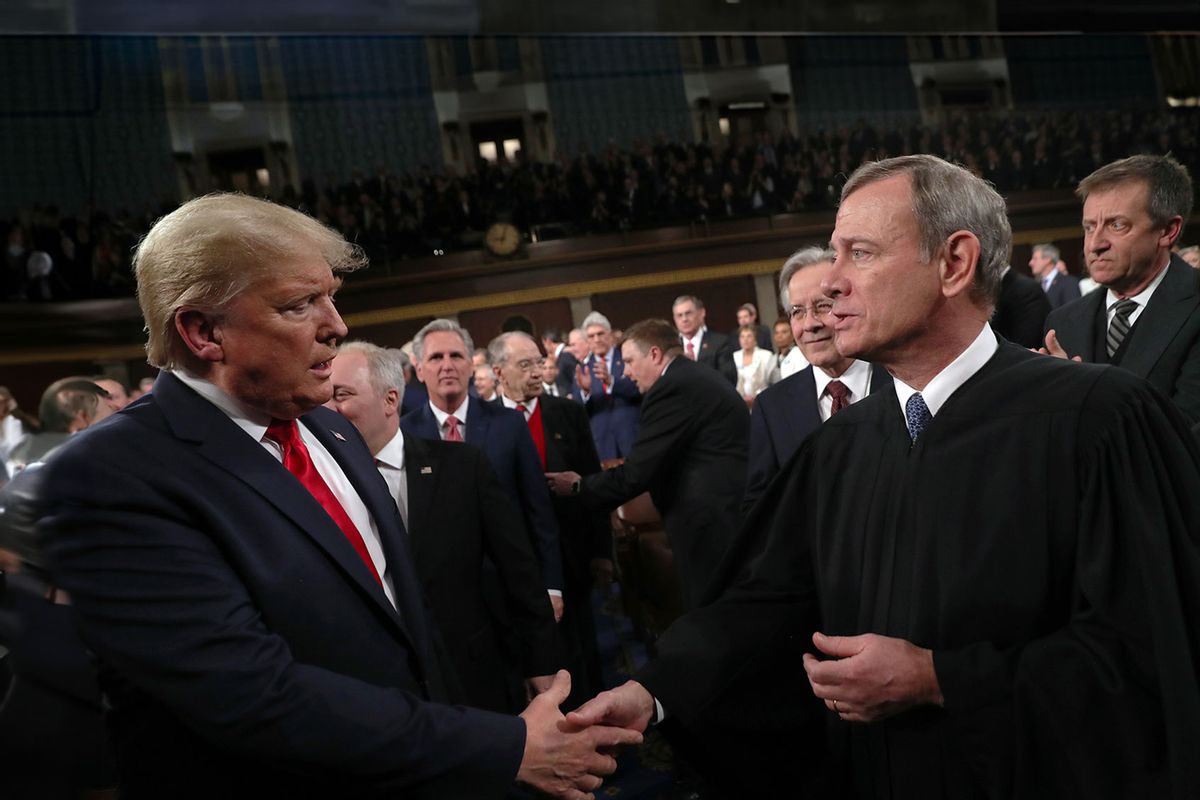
(1048, 250)
(688, 298)
(1169, 186)
(498, 348)
(384, 367)
(596, 318)
(804, 257)
(209, 250)
(947, 198)
(444, 326)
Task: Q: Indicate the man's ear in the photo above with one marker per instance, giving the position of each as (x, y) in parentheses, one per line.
(960, 260)
(1171, 231)
(391, 402)
(201, 333)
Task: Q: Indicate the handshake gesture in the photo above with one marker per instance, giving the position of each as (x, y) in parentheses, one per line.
(568, 756)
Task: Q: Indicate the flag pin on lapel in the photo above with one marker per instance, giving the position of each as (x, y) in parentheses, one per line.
(338, 436)
(426, 470)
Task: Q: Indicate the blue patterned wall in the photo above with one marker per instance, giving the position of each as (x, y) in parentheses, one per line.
(840, 78)
(1068, 72)
(83, 122)
(618, 88)
(359, 102)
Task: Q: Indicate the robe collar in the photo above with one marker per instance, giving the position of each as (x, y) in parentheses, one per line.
(955, 374)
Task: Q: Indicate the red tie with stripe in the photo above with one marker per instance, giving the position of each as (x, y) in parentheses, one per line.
(298, 462)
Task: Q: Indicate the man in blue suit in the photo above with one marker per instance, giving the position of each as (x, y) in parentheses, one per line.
(237, 564)
(443, 357)
(611, 399)
(786, 413)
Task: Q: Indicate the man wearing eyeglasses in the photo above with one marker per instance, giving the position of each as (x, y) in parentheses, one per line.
(790, 410)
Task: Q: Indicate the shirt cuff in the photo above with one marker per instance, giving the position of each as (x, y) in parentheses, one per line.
(554, 592)
(659, 713)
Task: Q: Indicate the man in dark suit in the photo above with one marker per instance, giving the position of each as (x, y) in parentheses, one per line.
(1060, 288)
(442, 349)
(564, 360)
(690, 455)
(699, 343)
(1146, 320)
(235, 560)
(611, 399)
(1021, 309)
(786, 413)
(456, 514)
(563, 439)
(747, 314)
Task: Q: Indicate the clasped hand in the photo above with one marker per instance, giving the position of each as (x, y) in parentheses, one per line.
(871, 677)
(568, 756)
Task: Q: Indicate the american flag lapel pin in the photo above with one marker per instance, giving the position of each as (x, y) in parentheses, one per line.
(338, 436)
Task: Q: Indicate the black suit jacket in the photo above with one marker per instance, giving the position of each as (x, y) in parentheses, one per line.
(690, 454)
(1164, 344)
(1021, 309)
(783, 417)
(457, 514)
(716, 350)
(1063, 289)
(503, 436)
(245, 648)
(566, 363)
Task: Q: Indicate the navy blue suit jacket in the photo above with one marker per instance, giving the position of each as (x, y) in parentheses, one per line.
(504, 436)
(1063, 289)
(613, 415)
(245, 648)
(783, 417)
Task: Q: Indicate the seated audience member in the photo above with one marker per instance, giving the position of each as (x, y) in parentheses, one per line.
(753, 363)
(457, 517)
(611, 399)
(238, 566)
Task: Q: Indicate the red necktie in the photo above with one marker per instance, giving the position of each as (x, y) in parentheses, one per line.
(840, 394)
(453, 434)
(536, 430)
(691, 350)
(298, 462)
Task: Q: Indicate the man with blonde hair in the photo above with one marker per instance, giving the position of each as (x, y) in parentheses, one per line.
(237, 564)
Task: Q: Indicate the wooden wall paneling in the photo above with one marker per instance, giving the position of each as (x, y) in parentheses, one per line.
(721, 299)
(484, 324)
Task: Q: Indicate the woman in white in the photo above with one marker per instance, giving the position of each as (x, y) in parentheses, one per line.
(754, 365)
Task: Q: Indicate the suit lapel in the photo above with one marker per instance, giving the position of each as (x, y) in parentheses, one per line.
(1172, 303)
(804, 396)
(420, 476)
(478, 423)
(552, 428)
(1076, 334)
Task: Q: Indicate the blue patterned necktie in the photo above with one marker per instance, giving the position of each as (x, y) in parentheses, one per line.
(917, 415)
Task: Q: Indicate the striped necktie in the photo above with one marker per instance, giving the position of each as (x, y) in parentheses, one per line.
(1118, 329)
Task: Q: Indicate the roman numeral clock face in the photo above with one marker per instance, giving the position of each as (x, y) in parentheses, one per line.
(502, 239)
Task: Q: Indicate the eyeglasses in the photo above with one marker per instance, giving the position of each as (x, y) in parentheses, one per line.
(819, 309)
(527, 365)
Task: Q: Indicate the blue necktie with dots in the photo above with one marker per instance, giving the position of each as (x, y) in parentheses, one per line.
(917, 415)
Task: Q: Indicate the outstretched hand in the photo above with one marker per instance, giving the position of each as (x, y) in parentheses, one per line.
(628, 706)
(872, 677)
(564, 760)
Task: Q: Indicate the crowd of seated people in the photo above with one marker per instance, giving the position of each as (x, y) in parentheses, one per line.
(658, 183)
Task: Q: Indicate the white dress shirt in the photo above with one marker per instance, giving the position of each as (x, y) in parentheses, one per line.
(856, 378)
(530, 404)
(390, 462)
(1141, 298)
(459, 413)
(955, 374)
(695, 340)
(255, 425)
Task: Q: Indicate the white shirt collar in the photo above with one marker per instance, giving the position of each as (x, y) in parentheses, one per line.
(530, 404)
(856, 378)
(696, 339)
(460, 413)
(392, 453)
(253, 422)
(1141, 298)
(955, 374)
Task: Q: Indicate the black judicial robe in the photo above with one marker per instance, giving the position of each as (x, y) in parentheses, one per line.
(1041, 538)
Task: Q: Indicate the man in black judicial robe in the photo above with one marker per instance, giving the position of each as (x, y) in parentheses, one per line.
(972, 640)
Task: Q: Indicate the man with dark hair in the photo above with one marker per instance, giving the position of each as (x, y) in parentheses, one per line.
(710, 348)
(236, 562)
(690, 454)
(1147, 320)
(747, 314)
(995, 561)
